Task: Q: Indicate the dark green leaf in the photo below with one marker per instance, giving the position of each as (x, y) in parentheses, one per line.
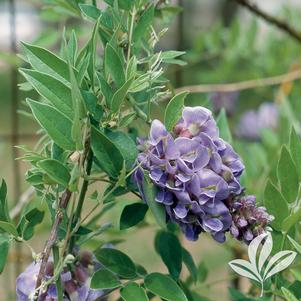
(119, 95)
(133, 292)
(132, 215)
(56, 124)
(117, 262)
(4, 247)
(169, 248)
(4, 214)
(56, 92)
(287, 176)
(105, 89)
(113, 65)
(106, 152)
(173, 111)
(295, 149)
(56, 171)
(157, 209)
(29, 221)
(90, 11)
(189, 262)
(164, 286)
(104, 279)
(223, 126)
(126, 146)
(144, 23)
(275, 204)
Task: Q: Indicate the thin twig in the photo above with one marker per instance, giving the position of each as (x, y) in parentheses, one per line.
(281, 24)
(243, 85)
(51, 241)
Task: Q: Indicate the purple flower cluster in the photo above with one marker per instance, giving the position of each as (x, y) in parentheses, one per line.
(226, 100)
(75, 281)
(248, 220)
(253, 122)
(195, 172)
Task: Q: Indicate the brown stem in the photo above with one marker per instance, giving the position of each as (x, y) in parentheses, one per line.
(281, 24)
(51, 241)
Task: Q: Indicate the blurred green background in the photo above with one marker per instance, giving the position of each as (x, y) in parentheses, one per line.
(224, 43)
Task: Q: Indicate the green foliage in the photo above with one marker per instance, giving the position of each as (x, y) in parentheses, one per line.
(132, 215)
(133, 292)
(56, 124)
(104, 279)
(164, 287)
(117, 262)
(174, 110)
(169, 248)
(287, 175)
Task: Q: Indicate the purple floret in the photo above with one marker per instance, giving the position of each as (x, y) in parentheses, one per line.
(195, 172)
(75, 281)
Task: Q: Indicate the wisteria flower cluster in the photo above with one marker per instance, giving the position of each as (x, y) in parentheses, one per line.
(75, 280)
(195, 172)
(248, 220)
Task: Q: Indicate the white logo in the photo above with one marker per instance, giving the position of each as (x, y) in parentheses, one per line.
(262, 269)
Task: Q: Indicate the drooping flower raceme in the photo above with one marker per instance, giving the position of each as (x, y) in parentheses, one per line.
(195, 172)
(75, 281)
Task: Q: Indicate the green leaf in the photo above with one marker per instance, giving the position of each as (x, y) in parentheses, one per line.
(132, 215)
(291, 220)
(127, 119)
(295, 149)
(165, 287)
(133, 292)
(56, 171)
(104, 279)
(56, 124)
(287, 176)
(189, 262)
(289, 296)
(173, 111)
(202, 271)
(113, 65)
(275, 204)
(144, 23)
(126, 146)
(4, 214)
(4, 247)
(90, 11)
(295, 244)
(47, 62)
(9, 228)
(72, 48)
(106, 152)
(117, 262)
(120, 95)
(223, 126)
(28, 222)
(56, 92)
(157, 209)
(105, 89)
(79, 110)
(169, 248)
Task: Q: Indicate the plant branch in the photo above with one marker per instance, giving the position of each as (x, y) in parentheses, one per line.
(82, 195)
(281, 24)
(243, 85)
(51, 241)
